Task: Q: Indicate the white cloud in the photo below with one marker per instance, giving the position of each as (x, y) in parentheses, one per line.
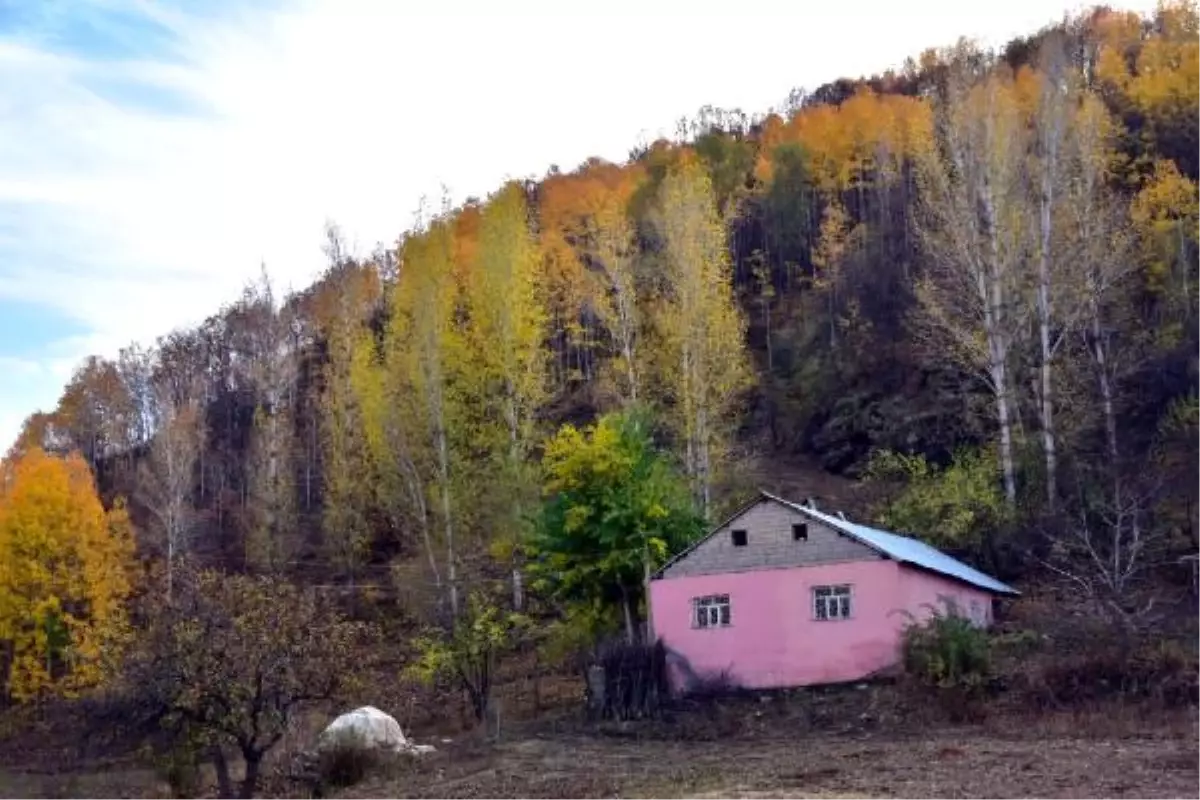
(135, 222)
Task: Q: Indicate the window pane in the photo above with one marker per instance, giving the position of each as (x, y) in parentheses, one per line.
(725, 614)
(845, 602)
(820, 608)
(821, 591)
(701, 617)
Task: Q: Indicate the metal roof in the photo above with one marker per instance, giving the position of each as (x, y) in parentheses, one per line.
(904, 549)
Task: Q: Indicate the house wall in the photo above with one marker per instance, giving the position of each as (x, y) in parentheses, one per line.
(922, 589)
(773, 639)
(769, 544)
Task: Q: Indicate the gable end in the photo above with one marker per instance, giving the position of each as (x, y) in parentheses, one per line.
(771, 543)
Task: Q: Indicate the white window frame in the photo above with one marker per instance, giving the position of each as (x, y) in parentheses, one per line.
(718, 610)
(842, 595)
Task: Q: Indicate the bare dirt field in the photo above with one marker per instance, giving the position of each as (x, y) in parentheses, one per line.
(962, 762)
(846, 744)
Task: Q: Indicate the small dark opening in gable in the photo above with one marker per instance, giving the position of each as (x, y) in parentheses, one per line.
(800, 532)
(739, 538)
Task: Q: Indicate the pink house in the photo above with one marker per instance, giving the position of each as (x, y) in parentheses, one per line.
(781, 594)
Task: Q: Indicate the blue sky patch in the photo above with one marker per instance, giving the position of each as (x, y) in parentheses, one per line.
(97, 30)
(26, 330)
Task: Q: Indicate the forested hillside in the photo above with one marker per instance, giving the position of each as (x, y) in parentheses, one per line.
(971, 283)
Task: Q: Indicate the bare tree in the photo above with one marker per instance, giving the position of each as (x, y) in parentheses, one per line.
(167, 481)
(270, 368)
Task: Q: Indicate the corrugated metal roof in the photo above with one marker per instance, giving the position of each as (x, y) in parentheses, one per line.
(904, 549)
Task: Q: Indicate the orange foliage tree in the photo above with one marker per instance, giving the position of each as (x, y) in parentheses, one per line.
(64, 576)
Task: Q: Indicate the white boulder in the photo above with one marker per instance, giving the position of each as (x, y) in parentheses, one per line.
(368, 727)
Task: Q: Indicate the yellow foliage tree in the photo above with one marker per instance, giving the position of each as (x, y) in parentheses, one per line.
(704, 332)
(64, 576)
(1166, 215)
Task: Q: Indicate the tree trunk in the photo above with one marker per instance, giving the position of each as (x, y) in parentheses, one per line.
(221, 767)
(630, 622)
(1106, 391)
(444, 475)
(1187, 285)
(253, 760)
(991, 292)
(1046, 406)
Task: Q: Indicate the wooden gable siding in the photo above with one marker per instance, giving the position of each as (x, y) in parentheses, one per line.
(769, 544)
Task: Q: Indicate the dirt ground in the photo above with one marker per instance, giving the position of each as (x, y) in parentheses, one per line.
(935, 766)
(847, 744)
(1077, 756)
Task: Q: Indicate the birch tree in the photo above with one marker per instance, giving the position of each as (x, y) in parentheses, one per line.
(398, 456)
(1050, 130)
(508, 318)
(614, 254)
(421, 340)
(703, 327)
(508, 328)
(166, 485)
(971, 225)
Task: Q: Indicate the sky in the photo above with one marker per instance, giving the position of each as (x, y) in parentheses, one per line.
(154, 155)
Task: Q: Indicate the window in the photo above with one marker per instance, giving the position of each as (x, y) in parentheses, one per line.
(800, 532)
(831, 602)
(978, 614)
(739, 538)
(711, 611)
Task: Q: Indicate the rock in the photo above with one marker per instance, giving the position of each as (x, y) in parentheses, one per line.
(368, 726)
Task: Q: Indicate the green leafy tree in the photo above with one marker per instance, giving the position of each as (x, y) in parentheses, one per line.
(615, 510)
(958, 507)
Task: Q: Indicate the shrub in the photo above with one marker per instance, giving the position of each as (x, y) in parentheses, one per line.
(179, 767)
(949, 656)
(346, 762)
(1162, 670)
(467, 651)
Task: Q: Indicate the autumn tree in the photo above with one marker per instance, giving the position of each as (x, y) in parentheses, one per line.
(833, 242)
(591, 252)
(421, 348)
(1165, 213)
(702, 327)
(350, 290)
(95, 410)
(506, 373)
(971, 224)
(64, 576)
(232, 660)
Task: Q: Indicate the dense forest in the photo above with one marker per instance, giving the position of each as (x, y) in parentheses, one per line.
(971, 283)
